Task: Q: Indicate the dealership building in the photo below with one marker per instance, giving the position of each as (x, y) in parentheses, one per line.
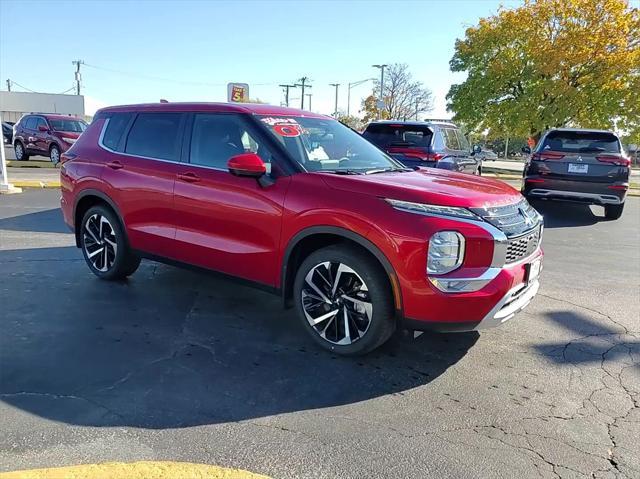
(14, 104)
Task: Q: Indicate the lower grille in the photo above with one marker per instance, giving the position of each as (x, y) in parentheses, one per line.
(522, 246)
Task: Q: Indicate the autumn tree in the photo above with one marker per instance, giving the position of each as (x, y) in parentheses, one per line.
(404, 97)
(550, 63)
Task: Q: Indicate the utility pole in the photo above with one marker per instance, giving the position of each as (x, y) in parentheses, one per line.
(303, 83)
(286, 93)
(8, 85)
(381, 103)
(335, 110)
(77, 63)
(309, 95)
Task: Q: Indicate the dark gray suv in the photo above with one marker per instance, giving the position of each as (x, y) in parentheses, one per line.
(436, 144)
(588, 166)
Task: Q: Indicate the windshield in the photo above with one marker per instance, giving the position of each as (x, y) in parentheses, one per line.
(581, 142)
(76, 126)
(386, 134)
(320, 144)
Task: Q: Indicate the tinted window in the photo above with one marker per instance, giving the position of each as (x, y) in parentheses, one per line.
(112, 135)
(450, 138)
(581, 142)
(216, 137)
(155, 135)
(40, 122)
(75, 126)
(30, 123)
(384, 135)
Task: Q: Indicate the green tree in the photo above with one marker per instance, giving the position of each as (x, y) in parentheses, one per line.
(550, 63)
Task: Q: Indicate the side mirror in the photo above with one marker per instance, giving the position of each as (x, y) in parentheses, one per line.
(43, 128)
(526, 149)
(477, 149)
(247, 164)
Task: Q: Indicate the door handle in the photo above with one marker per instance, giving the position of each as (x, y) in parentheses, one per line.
(189, 177)
(115, 165)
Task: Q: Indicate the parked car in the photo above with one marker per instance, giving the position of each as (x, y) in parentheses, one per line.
(588, 166)
(7, 132)
(434, 144)
(302, 206)
(485, 155)
(45, 134)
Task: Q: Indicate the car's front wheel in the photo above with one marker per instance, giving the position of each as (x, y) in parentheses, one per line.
(105, 246)
(613, 212)
(54, 154)
(21, 154)
(343, 298)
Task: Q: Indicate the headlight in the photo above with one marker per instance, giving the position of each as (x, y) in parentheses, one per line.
(71, 141)
(426, 209)
(446, 252)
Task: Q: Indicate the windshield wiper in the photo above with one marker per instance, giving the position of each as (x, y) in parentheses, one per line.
(392, 169)
(342, 172)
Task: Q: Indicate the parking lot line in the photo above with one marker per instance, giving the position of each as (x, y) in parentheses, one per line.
(135, 470)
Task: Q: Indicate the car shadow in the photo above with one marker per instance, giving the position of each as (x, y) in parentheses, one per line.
(47, 221)
(173, 348)
(592, 341)
(561, 214)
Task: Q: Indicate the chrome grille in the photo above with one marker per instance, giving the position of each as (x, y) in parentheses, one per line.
(512, 220)
(522, 246)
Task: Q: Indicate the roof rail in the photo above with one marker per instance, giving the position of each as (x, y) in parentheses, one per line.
(441, 120)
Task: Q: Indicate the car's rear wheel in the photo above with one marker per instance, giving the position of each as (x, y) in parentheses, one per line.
(613, 212)
(21, 154)
(343, 298)
(54, 154)
(105, 246)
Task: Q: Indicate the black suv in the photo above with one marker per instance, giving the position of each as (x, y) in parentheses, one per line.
(436, 144)
(588, 166)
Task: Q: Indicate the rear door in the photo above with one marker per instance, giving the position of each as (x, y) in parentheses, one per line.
(140, 171)
(580, 156)
(453, 153)
(29, 133)
(469, 163)
(408, 143)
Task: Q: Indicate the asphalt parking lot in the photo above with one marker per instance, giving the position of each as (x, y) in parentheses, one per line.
(177, 365)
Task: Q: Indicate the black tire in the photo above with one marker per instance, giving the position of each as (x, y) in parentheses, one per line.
(613, 212)
(54, 154)
(115, 266)
(376, 296)
(17, 147)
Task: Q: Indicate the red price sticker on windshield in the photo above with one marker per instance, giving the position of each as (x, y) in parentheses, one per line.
(288, 130)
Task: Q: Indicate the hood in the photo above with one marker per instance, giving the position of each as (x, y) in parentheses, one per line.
(429, 185)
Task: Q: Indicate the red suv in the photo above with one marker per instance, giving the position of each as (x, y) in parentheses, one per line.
(304, 207)
(45, 134)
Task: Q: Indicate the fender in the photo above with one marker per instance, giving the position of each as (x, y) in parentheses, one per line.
(350, 235)
(102, 196)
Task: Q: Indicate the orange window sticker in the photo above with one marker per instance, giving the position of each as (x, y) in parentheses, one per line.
(288, 130)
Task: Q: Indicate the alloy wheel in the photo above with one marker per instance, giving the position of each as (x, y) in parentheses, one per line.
(19, 151)
(336, 303)
(55, 156)
(100, 243)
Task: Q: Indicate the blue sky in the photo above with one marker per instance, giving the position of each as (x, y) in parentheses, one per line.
(188, 51)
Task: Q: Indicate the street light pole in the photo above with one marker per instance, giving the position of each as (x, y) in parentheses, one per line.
(349, 87)
(381, 67)
(335, 110)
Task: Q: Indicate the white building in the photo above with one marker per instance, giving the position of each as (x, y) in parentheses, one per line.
(14, 104)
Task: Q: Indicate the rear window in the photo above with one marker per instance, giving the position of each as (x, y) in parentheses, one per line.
(581, 142)
(155, 135)
(113, 134)
(385, 135)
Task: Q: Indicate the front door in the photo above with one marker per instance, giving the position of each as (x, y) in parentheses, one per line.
(227, 223)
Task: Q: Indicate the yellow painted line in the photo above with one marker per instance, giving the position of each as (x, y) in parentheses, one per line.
(135, 470)
(35, 183)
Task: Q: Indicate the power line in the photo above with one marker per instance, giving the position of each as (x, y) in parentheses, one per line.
(13, 82)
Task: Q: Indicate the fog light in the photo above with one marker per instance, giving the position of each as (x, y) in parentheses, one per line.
(446, 252)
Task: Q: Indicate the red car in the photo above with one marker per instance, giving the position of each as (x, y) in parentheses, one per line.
(300, 205)
(45, 134)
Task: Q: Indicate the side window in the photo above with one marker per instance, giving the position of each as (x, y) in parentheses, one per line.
(30, 123)
(40, 122)
(113, 134)
(451, 139)
(155, 135)
(464, 143)
(217, 137)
